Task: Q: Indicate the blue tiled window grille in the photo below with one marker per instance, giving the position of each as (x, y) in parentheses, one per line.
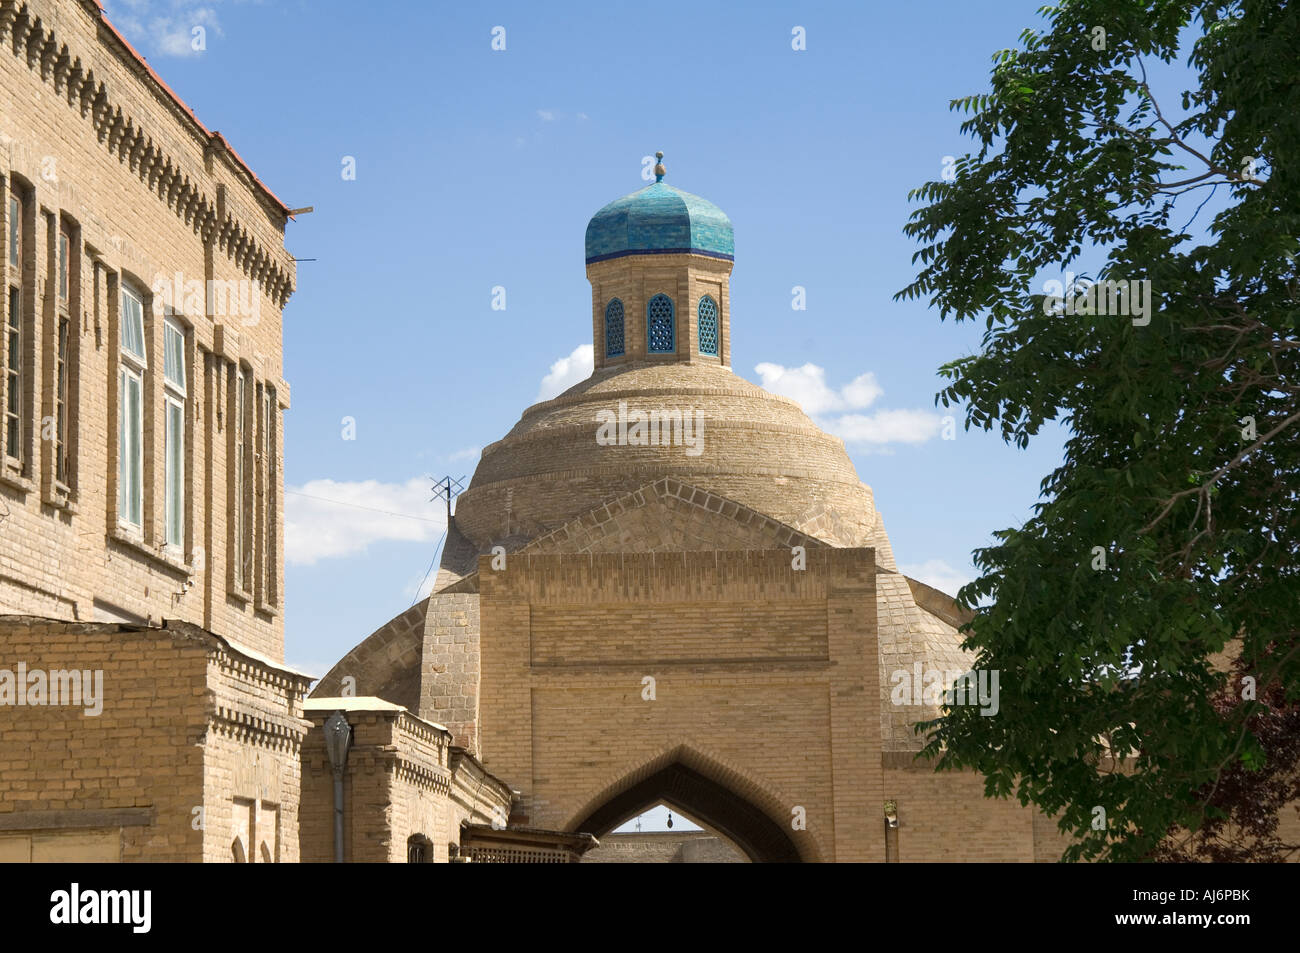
(708, 326)
(614, 328)
(659, 325)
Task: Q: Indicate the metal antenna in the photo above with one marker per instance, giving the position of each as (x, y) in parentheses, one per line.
(448, 489)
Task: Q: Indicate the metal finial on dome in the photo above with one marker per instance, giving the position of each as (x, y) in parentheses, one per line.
(660, 171)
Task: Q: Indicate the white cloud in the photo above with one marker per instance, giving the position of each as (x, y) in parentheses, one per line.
(937, 573)
(325, 519)
(163, 28)
(831, 408)
(555, 115)
(468, 453)
(567, 371)
(807, 386)
(885, 427)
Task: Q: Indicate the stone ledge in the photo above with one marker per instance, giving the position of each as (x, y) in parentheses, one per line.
(64, 820)
(14, 479)
(138, 546)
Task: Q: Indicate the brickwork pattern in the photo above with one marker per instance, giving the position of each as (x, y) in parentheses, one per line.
(100, 149)
(669, 516)
(683, 278)
(385, 664)
(403, 779)
(425, 659)
(189, 727)
(715, 686)
(945, 818)
(758, 450)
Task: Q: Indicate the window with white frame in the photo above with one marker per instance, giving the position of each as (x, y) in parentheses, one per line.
(240, 483)
(11, 349)
(268, 558)
(13, 377)
(174, 432)
(64, 348)
(62, 465)
(130, 420)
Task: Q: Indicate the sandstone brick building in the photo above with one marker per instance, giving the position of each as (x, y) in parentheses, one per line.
(145, 709)
(664, 585)
(668, 585)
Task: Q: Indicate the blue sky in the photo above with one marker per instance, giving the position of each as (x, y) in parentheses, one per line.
(478, 168)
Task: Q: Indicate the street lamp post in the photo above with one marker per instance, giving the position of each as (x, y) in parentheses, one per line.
(338, 738)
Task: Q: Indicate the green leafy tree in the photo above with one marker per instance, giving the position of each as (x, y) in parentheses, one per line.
(1247, 802)
(1170, 529)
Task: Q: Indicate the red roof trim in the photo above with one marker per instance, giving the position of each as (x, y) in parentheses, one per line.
(212, 135)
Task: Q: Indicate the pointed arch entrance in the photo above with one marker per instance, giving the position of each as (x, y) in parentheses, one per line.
(696, 795)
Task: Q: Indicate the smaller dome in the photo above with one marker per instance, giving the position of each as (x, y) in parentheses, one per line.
(659, 220)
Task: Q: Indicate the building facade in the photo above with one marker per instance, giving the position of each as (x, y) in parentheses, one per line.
(667, 585)
(145, 275)
(145, 709)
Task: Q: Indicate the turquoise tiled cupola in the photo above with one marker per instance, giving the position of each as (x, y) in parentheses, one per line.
(659, 220)
(659, 262)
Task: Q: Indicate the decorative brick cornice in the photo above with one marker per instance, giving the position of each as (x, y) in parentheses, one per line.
(246, 670)
(589, 524)
(586, 396)
(26, 36)
(429, 777)
(275, 733)
(646, 398)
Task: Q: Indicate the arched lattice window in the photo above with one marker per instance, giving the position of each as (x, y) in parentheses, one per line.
(614, 328)
(659, 325)
(708, 326)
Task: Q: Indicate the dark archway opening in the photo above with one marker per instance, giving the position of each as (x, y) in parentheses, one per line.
(749, 828)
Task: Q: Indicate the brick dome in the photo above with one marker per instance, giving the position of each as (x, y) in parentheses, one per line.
(756, 448)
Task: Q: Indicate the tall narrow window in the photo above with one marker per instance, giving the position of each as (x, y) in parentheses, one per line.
(660, 338)
(614, 328)
(15, 231)
(240, 413)
(708, 326)
(62, 468)
(268, 558)
(64, 354)
(12, 349)
(64, 264)
(174, 431)
(130, 423)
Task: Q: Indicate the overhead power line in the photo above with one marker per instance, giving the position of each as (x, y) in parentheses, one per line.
(358, 506)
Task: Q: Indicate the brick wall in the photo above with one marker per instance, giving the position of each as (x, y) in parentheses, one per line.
(946, 818)
(97, 147)
(449, 673)
(403, 779)
(189, 728)
(758, 450)
(635, 279)
(764, 721)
